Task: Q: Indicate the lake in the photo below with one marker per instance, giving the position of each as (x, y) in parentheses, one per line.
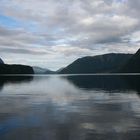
(70, 107)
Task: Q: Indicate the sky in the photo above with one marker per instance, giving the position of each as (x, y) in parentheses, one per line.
(53, 33)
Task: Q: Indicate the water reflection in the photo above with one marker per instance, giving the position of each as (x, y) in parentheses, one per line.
(14, 79)
(71, 108)
(107, 82)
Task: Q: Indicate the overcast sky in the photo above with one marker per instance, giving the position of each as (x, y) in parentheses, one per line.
(53, 33)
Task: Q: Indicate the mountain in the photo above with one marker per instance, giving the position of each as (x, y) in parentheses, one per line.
(15, 69)
(39, 70)
(1, 61)
(106, 63)
(59, 70)
(133, 64)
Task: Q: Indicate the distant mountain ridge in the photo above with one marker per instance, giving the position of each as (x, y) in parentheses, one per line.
(106, 63)
(39, 70)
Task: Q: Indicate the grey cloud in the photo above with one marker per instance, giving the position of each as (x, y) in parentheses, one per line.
(86, 25)
(19, 35)
(21, 51)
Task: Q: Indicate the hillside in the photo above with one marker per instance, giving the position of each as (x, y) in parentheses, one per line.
(15, 69)
(1, 61)
(106, 63)
(133, 64)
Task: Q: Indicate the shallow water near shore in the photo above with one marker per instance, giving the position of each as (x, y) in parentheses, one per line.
(70, 107)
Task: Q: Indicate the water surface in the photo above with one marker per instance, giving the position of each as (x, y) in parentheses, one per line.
(74, 107)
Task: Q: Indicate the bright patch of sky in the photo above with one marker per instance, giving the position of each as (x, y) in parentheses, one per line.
(8, 22)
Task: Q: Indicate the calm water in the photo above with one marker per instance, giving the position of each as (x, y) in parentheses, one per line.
(70, 107)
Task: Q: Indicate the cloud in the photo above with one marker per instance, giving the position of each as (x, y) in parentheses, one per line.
(55, 29)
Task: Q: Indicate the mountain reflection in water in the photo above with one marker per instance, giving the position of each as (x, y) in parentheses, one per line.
(75, 107)
(107, 82)
(14, 79)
